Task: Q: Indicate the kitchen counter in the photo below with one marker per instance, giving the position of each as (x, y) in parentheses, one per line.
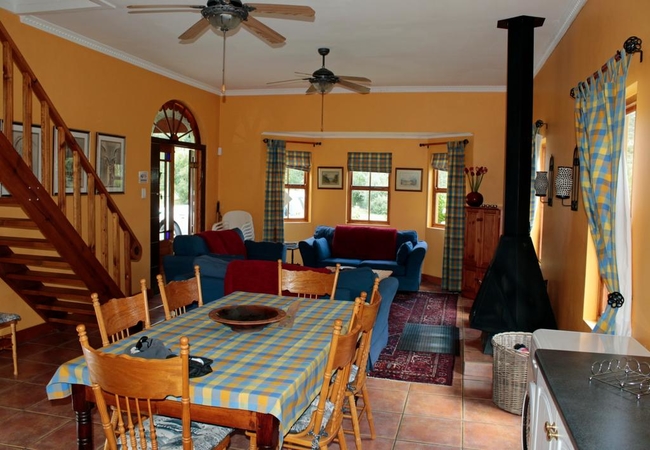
(598, 416)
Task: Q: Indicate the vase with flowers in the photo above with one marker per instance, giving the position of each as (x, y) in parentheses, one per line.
(474, 177)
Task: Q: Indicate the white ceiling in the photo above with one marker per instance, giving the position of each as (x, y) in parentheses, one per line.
(401, 45)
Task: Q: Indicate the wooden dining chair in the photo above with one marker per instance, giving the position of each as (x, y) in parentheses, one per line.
(365, 316)
(178, 295)
(117, 316)
(133, 385)
(321, 423)
(307, 283)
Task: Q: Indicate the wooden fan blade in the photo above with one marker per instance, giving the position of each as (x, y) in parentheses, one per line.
(311, 90)
(258, 28)
(165, 6)
(283, 10)
(355, 79)
(196, 29)
(354, 87)
(287, 81)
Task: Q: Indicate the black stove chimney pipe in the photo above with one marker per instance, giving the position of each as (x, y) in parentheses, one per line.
(512, 295)
(519, 119)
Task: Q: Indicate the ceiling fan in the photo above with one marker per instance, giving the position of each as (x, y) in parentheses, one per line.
(226, 15)
(323, 80)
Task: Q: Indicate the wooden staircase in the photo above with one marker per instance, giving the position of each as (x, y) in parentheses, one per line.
(57, 246)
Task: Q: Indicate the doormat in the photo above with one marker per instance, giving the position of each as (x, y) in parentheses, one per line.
(430, 338)
(424, 308)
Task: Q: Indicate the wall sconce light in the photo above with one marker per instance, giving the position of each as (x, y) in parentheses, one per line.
(542, 184)
(567, 182)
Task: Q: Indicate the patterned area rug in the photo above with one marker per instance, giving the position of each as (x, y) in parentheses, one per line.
(426, 308)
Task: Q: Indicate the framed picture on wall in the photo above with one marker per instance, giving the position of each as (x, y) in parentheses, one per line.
(330, 178)
(17, 141)
(408, 179)
(83, 139)
(110, 161)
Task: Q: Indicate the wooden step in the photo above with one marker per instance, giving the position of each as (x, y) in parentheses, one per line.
(82, 309)
(74, 319)
(23, 224)
(36, 260)
(59, 292)
(66, 279)
(22, 242)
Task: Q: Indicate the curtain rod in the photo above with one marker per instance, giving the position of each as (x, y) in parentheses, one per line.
(266, 141)
(425, 144)
(632, 45)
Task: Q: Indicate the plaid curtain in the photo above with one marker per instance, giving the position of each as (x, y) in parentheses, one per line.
(452, 257)
(370, 162)
(298, 161)
(439, 161)
(533, 173)
(599, 124)
(274, 201)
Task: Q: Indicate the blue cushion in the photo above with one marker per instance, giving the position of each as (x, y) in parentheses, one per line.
(211, 266)
(324, 231)
(353, 281)
(190, 245)
(406, 236)
(322, 248)
(403, 252)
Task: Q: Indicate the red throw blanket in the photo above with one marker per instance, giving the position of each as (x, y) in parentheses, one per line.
(257, 276)
(224, 242)
(361, 242)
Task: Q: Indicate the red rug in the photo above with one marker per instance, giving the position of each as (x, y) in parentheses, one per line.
(427, 308)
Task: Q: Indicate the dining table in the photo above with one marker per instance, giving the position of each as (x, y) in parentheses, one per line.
(261, 381)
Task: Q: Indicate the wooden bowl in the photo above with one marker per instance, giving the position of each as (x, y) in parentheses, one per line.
(244, 318)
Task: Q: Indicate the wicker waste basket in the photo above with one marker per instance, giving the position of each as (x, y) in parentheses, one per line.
(510, 370)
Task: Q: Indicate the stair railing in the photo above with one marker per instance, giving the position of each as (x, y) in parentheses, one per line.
(95, 215)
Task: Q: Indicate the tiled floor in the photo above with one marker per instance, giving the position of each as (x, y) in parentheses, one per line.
(408, 416)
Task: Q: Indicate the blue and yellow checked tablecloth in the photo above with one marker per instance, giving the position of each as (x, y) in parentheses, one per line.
(276, 370)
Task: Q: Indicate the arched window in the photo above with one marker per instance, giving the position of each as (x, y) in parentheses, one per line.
(175, 122)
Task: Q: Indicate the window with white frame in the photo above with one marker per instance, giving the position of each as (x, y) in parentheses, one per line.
(439, 191)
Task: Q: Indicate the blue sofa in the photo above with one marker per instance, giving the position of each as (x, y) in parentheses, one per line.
(190, 250)
(402, 254)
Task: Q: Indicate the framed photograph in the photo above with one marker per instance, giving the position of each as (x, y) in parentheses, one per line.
(17, 141)
(330, 178)
(110, 161)
(408, 180)
(83, 139)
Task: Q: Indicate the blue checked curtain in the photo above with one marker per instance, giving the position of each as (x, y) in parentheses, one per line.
(274, 201)
(452, 258)
(599, 123)
(439, 161)
(370, 162)
(534, 166)
(298, 161)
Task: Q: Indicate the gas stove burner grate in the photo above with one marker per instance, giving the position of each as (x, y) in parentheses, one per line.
(625, 374)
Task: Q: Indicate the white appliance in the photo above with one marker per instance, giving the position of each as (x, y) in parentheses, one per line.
(572, 341)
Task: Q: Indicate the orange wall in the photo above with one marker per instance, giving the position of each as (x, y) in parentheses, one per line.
(98, 93)
(600, 29)
(243, 163)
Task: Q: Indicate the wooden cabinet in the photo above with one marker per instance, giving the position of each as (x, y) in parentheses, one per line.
(482, 231)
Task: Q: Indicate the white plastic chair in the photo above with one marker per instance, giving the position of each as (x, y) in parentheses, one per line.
(242, 220)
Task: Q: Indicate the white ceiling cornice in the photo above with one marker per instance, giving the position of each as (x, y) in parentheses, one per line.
(365, 135)
(45, 6)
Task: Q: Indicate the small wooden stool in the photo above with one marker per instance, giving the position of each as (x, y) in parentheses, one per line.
(10, 320)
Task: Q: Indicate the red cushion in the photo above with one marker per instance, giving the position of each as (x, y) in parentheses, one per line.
(224, 242)
(364, 242)
(257, 276)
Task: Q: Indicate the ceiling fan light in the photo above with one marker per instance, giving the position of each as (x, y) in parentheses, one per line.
(322, 86)
(225, 21)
